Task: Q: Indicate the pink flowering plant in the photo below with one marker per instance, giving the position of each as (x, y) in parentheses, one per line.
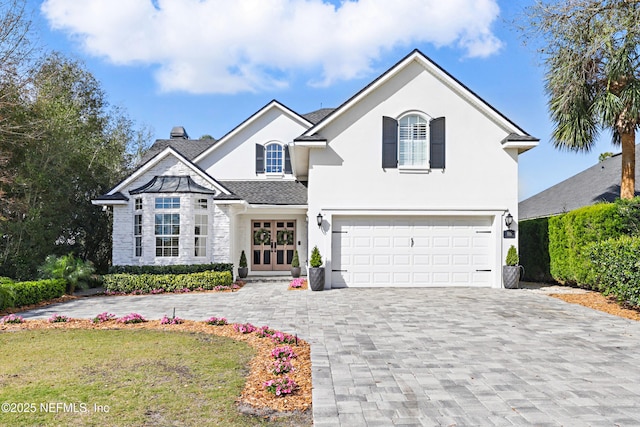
(175, 320)
(245, 328)
(281, 338)
(265, 331)
(103, 317)
(280, 386)
(282, 366)
(12, 318)
(216, 321)
(297, 283)
(285, 353)
(132, 318)
(57, 318)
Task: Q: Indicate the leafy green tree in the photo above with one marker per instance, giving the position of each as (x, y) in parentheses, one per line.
(590, 49)
(78, 147)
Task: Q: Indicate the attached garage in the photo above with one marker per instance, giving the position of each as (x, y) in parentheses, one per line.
(412, 251)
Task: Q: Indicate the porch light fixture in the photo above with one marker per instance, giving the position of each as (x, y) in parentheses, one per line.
(508, 220)
(319, 220)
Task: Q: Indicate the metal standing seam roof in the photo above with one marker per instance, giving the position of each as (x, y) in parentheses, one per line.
(172, 184)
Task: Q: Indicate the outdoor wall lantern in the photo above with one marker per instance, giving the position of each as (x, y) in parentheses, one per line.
(319, 220)
(508, 221)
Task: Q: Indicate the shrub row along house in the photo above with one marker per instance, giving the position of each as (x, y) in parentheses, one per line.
(407, 183)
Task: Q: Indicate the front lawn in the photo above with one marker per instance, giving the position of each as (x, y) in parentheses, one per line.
(77, 377)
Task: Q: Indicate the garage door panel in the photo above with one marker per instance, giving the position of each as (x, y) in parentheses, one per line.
(412, 251)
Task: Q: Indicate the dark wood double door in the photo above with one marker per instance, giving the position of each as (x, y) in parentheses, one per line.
(273, 243)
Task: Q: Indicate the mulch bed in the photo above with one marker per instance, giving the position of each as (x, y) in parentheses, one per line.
(597, 301)
(254, 398)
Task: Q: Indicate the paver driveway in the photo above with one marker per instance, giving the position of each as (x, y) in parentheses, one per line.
(434, 356)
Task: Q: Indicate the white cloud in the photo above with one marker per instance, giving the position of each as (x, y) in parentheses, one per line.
(229, 46)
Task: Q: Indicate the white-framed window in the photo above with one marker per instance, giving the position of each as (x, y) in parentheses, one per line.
(167, 231)
(167, 202)
(274, 158)
(413, 142)
(137, 232)
(137, 226)
(201, 231)
(201, 204)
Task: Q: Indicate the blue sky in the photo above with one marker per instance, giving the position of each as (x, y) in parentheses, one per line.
(207, 65)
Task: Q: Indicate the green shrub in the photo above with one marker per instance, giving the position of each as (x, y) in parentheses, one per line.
(75, 271)
(5, 280)
(534, 249)
(617, 266)
(512, 256)
(146, 283)
(25, 293)
(169, 269)
(295, 262)
(571, 233)
(243, 260)
(316, 258)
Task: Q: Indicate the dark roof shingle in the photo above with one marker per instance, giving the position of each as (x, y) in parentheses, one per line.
(190, 148)
(266, 192)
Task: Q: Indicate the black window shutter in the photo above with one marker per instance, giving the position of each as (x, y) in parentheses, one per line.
(389, 143)
(259, 158)
(437, 143)
(287, 160)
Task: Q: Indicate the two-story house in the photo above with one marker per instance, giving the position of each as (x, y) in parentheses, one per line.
(407, 183)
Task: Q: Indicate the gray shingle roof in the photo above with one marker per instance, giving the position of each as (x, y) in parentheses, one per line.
(190, 148)
(263, 192)
(316, 116)
(599, 183)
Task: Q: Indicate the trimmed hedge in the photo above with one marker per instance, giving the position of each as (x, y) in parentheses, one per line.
(534, 250)
(25, 293)
(617, 265)
(146, 283)
(571, 233)
(169, 269)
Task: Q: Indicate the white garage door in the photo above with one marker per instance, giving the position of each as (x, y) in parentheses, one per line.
(411, 251)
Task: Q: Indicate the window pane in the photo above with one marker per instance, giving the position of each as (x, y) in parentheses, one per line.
(412, 141)
(167, 202)
(274, 158)
(201, 204)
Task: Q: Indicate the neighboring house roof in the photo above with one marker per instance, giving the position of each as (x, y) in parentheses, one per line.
(318, 115)
(598, 183)
(172, 184)
(264, 192)
(189, 148)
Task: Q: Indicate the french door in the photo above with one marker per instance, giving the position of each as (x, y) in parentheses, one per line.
(272, 244)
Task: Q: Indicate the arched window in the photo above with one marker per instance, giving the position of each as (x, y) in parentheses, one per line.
(274, 158)
(413, 141)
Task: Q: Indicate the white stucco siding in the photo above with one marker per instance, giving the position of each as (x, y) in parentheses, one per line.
(480, 178)
(234, 159)
(479, 172)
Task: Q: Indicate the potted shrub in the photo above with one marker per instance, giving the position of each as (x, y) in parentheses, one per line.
(295, 265)
(316, 271)
(511, 271)
(243, 270)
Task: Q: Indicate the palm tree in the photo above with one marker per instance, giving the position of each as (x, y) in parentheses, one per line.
(593, 78)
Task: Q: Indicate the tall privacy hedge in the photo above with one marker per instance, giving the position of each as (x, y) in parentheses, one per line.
(617, 267)
(534, 250)
(569, 236)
